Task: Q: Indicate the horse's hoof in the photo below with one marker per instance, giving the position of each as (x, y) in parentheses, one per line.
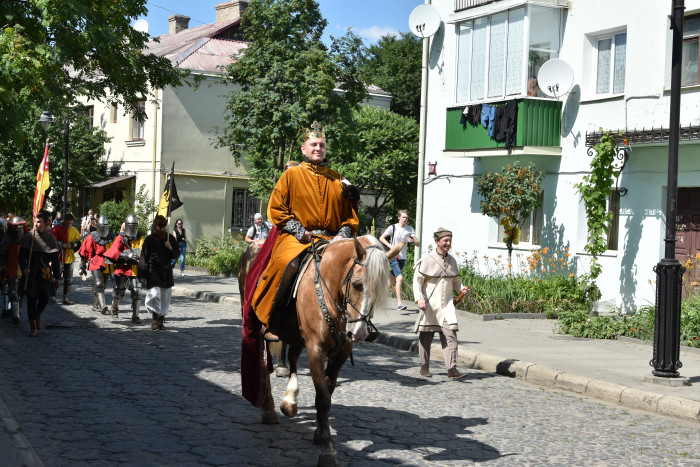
(281, 371)
(327, 459)
(270, 418)
(290, 410)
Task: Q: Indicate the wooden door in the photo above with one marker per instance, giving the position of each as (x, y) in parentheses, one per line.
(688, 234)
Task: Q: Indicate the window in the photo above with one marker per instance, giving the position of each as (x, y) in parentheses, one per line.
(87, 111)
(610, 69)
(614, 223)
(137, 126)
(492, 52)
(530, 230)
(245, 205)
(690, 51)
(114, 110)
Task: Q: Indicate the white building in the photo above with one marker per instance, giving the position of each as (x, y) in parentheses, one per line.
(486, 51)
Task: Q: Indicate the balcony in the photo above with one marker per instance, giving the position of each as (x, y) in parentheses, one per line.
(466, 4)
(539, 125)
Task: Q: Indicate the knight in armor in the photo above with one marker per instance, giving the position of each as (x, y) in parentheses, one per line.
(68, 238)
(124, 254)
(92, 259)
(9, 267)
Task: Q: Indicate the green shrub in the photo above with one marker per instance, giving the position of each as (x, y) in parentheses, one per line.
(218, 254)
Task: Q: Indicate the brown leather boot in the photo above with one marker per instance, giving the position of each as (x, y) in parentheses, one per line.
(424, 371)
(32, 328)
(161, 320)
(154, 324)
(454, 373)
(66, 295)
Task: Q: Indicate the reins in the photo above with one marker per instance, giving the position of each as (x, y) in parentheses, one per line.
(319, 283)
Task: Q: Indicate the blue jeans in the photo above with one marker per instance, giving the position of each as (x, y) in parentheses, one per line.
(183, 251)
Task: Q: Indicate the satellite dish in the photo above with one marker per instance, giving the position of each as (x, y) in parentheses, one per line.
(141, 25)
(555, 77)
(424, 20)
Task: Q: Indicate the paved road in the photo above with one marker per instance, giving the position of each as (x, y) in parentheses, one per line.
(92, 390)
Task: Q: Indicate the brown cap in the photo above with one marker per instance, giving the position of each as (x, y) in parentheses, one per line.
(441, 232)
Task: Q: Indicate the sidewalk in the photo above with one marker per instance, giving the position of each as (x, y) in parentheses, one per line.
(612, 370)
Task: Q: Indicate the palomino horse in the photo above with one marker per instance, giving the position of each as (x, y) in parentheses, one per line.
(336, 297)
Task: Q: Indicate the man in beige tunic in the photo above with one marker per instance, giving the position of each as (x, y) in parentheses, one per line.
(436, 276)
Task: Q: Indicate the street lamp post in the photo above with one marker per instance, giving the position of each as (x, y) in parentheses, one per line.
(46, 120)
(669, 271)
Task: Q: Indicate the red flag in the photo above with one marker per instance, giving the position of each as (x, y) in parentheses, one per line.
(42, 182)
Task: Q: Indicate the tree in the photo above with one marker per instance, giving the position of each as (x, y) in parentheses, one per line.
(509, 196)
(54, 51)
(286, 79)
(394, 64)
(383, 161)
(21, 155)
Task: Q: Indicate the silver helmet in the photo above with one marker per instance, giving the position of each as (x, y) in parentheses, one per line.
(102, 226)
(131, 226)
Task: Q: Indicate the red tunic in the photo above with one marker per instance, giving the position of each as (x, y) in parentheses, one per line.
(12, 270)
(113, 252)
(94, 253)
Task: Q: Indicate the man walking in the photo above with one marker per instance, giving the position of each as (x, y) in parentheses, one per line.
(159, 250)
(393, 235)
(69, 242)
(436, 275)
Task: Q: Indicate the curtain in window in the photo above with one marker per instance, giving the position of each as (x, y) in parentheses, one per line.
(619, 65)
(514, 61)
(604, 57)
(479, 58)
(463, 58)
(497, 54)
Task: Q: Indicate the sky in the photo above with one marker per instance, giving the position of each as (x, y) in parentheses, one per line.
(370, 19)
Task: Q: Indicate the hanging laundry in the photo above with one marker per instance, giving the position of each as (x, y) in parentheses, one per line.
(476, 115)
(485, 113)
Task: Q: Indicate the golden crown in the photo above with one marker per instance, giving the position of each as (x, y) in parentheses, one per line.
(316, 131)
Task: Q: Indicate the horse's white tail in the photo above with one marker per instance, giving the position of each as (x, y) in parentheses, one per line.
(376, 275)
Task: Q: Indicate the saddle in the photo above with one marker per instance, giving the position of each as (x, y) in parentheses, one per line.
(286, 324)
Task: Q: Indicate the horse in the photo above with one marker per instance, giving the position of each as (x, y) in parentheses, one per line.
(336, 297)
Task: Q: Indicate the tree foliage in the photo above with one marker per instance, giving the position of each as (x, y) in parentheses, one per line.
(383, 161)
(394, 64)
(511, 195)
(21, 155)
(285, 79)
(54, 50)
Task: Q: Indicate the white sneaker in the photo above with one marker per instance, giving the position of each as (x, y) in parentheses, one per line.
(182, 273)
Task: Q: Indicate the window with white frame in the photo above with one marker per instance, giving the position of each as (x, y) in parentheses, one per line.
(690, 51)
(530, 230)
(497, 54)
(611, 54)
(137, 125)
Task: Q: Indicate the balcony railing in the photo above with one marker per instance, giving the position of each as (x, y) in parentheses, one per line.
(539, 124)
(466, 4)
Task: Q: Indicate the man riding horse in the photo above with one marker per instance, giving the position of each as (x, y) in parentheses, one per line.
(307, 200)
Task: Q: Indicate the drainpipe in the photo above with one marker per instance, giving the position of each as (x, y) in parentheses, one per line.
(421, 141)
(223, 217)
(155, 143)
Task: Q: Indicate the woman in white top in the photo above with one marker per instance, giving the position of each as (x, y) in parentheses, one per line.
(258, 232)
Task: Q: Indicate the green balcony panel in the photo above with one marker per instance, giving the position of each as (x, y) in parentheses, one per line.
(539, 124)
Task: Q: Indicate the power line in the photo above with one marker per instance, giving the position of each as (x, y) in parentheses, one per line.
(175, 12)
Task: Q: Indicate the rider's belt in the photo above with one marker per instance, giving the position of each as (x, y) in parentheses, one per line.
(324, 233)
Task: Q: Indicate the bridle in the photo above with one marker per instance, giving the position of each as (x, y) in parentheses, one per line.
(319, 283)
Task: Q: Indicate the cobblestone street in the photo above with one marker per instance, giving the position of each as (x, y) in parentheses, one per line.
(93, 390)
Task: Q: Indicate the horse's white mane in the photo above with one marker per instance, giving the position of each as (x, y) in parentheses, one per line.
(376, 274)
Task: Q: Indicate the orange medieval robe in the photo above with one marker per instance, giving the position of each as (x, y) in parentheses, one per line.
(306, 197)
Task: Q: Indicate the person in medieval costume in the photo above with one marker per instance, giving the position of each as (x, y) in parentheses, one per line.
(41, 269)
(68, 238)
(307, 200)
(9, 267)
(124, 254)
(436, 275)
(155, 267)
(92, 258)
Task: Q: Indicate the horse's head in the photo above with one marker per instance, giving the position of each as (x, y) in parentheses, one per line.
(365, 286)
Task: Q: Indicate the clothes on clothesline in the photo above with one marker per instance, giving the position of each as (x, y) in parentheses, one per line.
(500, 120)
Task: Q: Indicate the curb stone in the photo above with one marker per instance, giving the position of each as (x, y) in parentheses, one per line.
(24, 449)
(677, 407)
